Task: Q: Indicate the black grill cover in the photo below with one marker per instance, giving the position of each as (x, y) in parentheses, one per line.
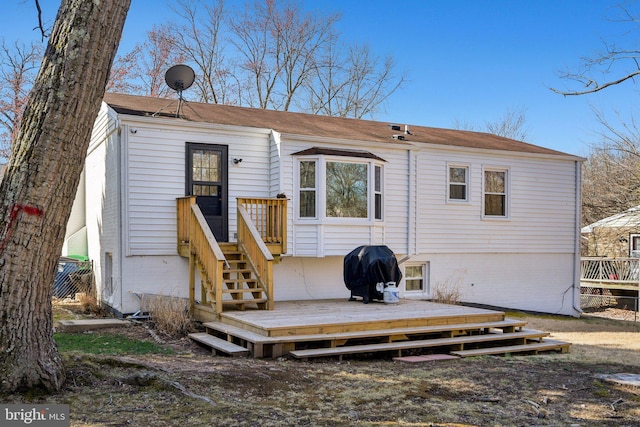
(366, 266)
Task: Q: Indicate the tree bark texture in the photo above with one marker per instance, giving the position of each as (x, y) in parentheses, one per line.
(40, 184)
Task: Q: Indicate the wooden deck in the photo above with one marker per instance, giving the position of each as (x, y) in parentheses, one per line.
(326, 328)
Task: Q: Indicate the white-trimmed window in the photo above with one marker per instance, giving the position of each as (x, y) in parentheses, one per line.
(377, 192)
(415, 278)
(495, 193)
(634, 245)
(308, 188)
(339, 184)
(458, 183)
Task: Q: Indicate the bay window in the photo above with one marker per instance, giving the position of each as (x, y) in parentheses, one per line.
(343, 185)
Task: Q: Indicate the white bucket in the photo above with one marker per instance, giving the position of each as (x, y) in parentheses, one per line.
(390, 294)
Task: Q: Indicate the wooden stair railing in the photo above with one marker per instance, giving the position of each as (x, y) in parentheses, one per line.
(258, 255)
(226, 268)
(205, 254)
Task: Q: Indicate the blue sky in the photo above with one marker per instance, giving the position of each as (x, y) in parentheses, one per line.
(465, 61)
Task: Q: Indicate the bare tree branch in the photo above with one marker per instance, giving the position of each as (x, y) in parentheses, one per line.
(620, 62)
(40, 24)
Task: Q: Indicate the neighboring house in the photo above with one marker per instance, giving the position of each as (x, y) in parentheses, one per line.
(492, 220)
(613, 237)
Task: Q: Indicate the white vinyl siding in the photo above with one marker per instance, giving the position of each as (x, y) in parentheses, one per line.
(542, 204)
(156, 177)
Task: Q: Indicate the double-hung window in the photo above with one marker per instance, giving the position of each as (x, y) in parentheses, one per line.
(458, 180)
(415, 277)
(336, 184)
(496, 193)
(308, 188)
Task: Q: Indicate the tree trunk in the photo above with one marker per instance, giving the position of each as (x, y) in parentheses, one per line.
(40, 184)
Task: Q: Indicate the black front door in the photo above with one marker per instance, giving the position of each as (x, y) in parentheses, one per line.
(207, 180)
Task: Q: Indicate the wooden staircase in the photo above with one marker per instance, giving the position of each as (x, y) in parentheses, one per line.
(240, 281)
(232, 274)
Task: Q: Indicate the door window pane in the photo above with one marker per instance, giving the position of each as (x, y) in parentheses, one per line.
(206, 165)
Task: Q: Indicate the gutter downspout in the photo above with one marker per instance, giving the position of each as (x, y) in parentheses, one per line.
(412, 204)
(578, 216)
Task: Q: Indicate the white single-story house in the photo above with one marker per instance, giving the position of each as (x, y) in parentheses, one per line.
(492, 220)
(614, 236)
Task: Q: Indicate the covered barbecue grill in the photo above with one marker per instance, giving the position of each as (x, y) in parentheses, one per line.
(367, 269)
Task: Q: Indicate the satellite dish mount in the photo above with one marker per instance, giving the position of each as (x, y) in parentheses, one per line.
(179, 78)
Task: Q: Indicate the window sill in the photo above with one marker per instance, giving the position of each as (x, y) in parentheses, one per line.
(495, 218)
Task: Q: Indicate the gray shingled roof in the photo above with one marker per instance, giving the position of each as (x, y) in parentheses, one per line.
(315, 125)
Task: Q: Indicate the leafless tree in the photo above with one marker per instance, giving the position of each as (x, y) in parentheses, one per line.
(611, 174)
(18, 66)
(511, 125)
(268, 54)
(40, 183)
(354, 84)
(278, 46)
(199, 37)
(142, 70)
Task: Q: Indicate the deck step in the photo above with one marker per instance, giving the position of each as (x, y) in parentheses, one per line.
(406, 345)
(244, 301)
(545, 345)
(239, 332)
(219, 344)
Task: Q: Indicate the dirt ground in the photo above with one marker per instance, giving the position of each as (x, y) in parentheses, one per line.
(195, 388)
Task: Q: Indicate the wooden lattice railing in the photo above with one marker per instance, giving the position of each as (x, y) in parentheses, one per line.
(618, 270)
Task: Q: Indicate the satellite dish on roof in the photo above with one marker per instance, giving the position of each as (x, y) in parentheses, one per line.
(179, 77)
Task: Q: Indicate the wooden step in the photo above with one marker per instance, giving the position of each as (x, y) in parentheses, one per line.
(241, 290)
(244, 301)
(240, 280)
(405, 345)
(507, 325)
(237, 270)
(218, 344)
(545, 345)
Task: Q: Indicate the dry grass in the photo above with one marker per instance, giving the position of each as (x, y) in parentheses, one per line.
(170, 315)
(89, 301)
(448, 291)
